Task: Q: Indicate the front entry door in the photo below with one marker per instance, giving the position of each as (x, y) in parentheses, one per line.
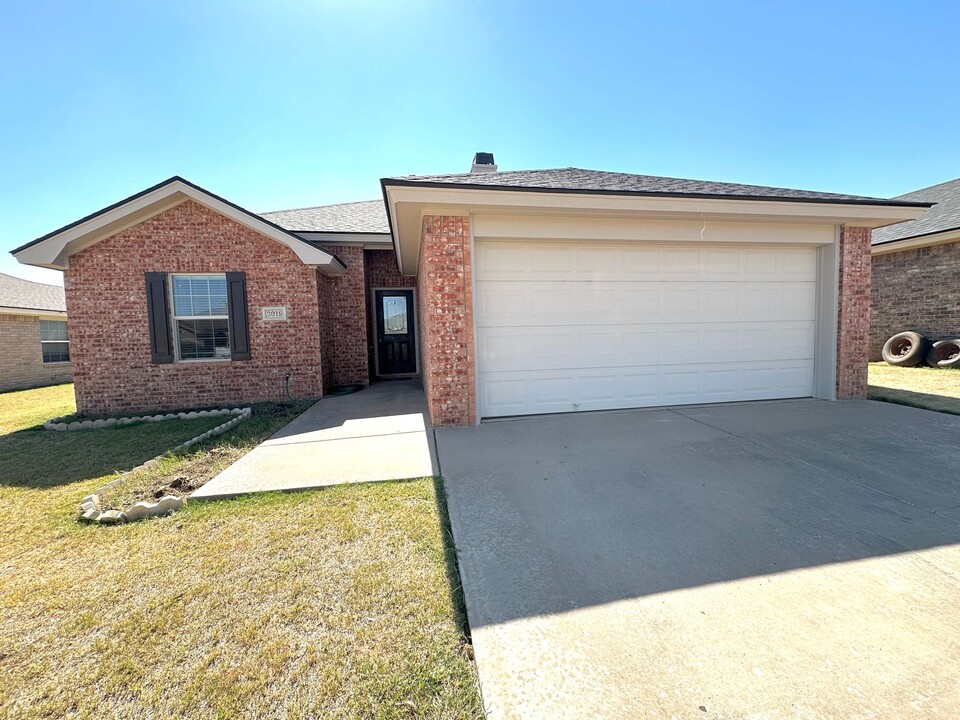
(396, 341)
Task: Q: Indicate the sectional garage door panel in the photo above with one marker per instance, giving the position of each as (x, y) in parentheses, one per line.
(563, 327)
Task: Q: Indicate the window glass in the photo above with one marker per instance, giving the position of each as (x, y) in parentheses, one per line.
(200, 316)
(199, 339)
(54, 342)
(395, 315)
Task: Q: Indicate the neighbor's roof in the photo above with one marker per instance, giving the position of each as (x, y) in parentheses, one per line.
(943, 216)
(575, 180)
(367, 216)
(28, 295)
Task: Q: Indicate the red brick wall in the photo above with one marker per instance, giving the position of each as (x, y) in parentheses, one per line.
(344, 315)
(382, 270)
(445, 309)
(326, 333)
(853, 321)
(107, 310)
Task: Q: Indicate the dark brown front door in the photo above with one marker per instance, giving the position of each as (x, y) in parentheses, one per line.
(396, 341)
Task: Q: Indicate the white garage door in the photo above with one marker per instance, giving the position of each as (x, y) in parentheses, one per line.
(565, 326)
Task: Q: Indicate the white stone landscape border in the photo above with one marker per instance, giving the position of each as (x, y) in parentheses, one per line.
(91, 508)
(58, 423)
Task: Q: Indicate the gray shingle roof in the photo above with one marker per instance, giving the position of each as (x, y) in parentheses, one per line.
(19, 293)
(945, 215)
(368, 216)
(596, 181)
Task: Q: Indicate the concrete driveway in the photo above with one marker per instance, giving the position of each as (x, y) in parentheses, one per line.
(793, 559)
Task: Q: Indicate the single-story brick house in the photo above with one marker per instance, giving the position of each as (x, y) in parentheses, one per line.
(507, 293)
(915, 269)
(34, 345)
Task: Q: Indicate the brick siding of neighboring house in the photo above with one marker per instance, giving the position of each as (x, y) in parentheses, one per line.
(445, 309)
(109, 334)
(853, 321)
(21, 360)
(915, 290)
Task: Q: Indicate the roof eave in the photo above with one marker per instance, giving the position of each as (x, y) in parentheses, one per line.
(402, 182)
(54, 249)
(408, 201)
(912, 242)
(14, 310)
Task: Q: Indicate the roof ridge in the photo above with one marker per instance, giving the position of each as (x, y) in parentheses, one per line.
(32, 282)
(317, 207)
(924, 189)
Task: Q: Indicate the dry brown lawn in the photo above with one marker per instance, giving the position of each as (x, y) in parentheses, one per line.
(923, 387)
(326, 604)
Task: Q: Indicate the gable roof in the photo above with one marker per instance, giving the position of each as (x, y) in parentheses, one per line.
(23, 294)
(942, 217)
(576, 180)
(53, 249)
(366, 216)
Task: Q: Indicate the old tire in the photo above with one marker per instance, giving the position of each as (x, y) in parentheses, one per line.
(944, 354)
(905, 349)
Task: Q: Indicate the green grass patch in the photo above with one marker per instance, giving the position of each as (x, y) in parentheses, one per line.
(25, 408)
(331, 603)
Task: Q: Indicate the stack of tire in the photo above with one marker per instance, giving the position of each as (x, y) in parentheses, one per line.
(909, 349)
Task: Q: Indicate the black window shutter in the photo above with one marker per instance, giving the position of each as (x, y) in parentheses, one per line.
(237, 309)
(161, 350)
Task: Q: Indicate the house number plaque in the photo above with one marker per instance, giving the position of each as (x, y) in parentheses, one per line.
(274, 313)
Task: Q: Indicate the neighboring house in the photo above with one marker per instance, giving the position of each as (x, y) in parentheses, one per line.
(916, 266)
(507, 293)
(34, 345)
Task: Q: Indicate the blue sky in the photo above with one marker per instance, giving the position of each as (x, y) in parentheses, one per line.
(290, 103)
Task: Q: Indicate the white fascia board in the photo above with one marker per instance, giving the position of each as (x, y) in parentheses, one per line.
(943, 238)
(407, 205)
(55, 250)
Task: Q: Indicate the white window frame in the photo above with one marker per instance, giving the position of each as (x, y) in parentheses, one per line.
(44, 342)
(174, 317)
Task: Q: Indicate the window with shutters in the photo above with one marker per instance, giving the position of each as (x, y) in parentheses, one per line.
(201, 321)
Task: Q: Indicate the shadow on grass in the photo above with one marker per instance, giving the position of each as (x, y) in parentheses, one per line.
(926, 401)
(450, 560)
(38, 458)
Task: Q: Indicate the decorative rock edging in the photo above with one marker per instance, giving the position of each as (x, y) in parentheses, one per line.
(91, 508)
(58, 423)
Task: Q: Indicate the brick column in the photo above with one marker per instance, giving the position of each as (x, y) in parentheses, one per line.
(853, 318)
(445, 305)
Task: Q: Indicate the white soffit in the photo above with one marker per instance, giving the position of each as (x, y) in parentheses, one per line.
(53, 250)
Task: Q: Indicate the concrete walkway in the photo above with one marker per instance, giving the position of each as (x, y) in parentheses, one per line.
(380, 433)
(762, 560)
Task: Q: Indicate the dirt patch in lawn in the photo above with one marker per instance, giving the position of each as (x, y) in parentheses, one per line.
(179, 474)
